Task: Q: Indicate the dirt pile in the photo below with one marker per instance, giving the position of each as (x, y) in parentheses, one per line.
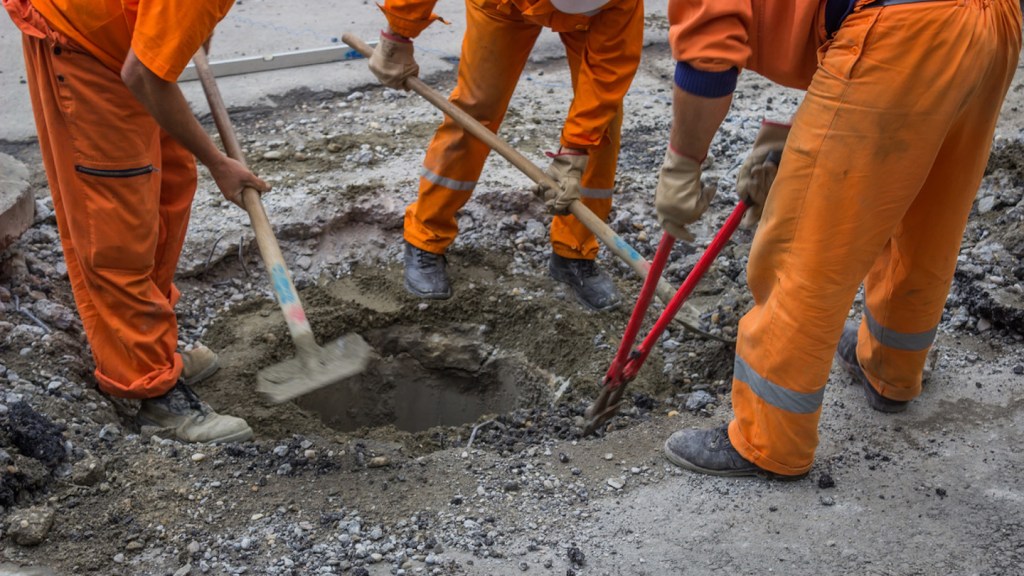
(38, 450)
(990, 272)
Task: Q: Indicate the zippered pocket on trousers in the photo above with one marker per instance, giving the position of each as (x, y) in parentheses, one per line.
(123, 173)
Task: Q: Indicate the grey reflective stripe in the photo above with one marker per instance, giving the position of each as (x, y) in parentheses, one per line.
(461, 185)
(596, 192)
(772, 393)
(912, 342)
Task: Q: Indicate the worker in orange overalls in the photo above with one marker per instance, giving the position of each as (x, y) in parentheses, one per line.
(117, 139)
(877, 177)
(603, 40)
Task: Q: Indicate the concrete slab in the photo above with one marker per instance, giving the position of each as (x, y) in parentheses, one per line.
(17, 206)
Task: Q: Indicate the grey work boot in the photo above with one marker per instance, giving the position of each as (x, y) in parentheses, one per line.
(198, 364)
(426, 274)
(191, 419)
(711, 452)
(593, 288)
(846, 354)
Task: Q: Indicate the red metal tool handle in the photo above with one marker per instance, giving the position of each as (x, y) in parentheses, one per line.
(627, 360)
(643, 302)
(706, 259)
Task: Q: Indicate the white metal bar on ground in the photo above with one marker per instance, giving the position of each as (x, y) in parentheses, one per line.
(295, 59)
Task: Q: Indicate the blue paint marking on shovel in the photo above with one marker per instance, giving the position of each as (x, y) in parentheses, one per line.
(282, 287)
(622, 245)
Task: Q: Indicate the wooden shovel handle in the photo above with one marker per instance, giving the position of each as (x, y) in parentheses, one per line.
(281, 280)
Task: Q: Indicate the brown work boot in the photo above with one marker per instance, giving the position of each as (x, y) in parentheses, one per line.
(846, 353)
(711, 452)
(191, 419)
(199, 363)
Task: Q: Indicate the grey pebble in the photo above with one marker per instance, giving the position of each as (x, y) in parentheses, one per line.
(698, 400)
(29, 527)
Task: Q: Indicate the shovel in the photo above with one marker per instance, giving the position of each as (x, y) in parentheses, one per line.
(314, 366)
(615, 243)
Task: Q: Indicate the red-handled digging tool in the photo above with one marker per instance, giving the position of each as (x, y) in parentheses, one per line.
(628, 360)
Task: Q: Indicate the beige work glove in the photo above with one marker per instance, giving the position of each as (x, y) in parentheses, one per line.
(566, 169)
(759, 169)
(680, 199)
(392, 60)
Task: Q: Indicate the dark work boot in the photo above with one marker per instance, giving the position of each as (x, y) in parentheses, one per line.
(711, 452)
(593, 288)
(846, 353)
(426, 274)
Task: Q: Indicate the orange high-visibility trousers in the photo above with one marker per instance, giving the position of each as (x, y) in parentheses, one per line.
(876, 182)
(122, 191)
(494, 52)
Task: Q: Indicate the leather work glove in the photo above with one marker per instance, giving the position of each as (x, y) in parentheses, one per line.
(680, 199)
(567, 169)
(392, 60)
(759, 169)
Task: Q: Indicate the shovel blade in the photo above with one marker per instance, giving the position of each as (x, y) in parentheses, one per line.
(314, 368)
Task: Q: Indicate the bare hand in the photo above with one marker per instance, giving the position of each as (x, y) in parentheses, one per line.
(231, 177)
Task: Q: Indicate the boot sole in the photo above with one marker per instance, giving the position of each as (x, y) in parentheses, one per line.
(428, 295)
(870, 394)
(756, 472)
(237, 437)
(240, 436)
(204, 373)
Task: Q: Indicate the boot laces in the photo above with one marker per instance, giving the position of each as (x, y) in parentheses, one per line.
(193, 399)
(588, 269)
(720, 436)
(428, 261)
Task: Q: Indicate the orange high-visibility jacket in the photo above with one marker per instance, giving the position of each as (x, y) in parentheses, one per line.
(777, 39)
(164, 34)
(614, 44)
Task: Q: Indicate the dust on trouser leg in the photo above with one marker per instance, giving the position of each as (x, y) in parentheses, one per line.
(868, 150)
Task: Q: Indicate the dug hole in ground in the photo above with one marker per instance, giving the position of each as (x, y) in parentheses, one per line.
(377, 475)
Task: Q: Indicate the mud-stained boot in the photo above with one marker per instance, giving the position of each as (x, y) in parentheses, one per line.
(198, 364)
(711, 452)
(846, 354)
(191, 419)
(592, 287)
(426, 274)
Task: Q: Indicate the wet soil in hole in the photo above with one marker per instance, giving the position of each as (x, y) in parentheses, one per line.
(424, 378)
(502, 346)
